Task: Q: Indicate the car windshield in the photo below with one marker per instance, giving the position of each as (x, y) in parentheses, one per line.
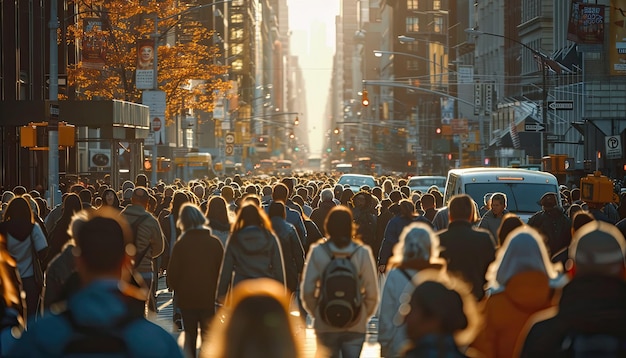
(440, 182)
(521, 197)
(357, 181)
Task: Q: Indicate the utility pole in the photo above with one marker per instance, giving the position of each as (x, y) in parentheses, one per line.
(53, 110)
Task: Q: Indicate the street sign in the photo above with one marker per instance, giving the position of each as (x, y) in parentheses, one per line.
(534, 127)
(149, 140)
(613, 147)
(229, 150)
(554, 137)
(561, 105)
(229, 138)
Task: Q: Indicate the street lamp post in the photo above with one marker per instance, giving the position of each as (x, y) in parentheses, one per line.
(544, 84)
(53, 95)
(155, 77)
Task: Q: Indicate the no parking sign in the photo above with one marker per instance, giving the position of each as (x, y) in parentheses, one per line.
(613, 146)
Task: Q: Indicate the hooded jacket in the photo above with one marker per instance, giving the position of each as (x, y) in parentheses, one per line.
(251, 252)
(507, 311)
(293, 253)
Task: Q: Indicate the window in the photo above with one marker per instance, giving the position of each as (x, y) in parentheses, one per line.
(237, 65)
(412, 4)
(438, 24)
(236, 34)
(412, 65)
(412, 24)
(236, 49)
(436, 4)
(236, 19)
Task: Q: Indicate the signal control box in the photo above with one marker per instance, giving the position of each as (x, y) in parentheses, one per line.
(596, 188)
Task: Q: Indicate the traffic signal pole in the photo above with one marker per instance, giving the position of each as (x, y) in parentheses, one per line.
(53, 121)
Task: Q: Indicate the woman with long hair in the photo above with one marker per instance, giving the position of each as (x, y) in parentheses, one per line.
(22, 233)
(193, 272)
(417, 251)
(255, 324)
(333, 341)
(219, 218)
(252, 250)
(522, 281)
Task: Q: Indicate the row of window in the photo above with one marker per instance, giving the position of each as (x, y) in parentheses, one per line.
(413, 24)
(414, 4)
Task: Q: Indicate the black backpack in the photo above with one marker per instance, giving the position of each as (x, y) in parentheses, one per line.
(598, 345)
(340, 298)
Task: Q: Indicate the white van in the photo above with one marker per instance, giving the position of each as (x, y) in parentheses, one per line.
(523, 188)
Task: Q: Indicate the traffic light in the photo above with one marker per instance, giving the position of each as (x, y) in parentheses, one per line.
(438, 130)
(364, 98)
(296, 121)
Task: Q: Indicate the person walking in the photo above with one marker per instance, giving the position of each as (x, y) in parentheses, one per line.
(252, 251)
(522, 281)
(493, 217)
(552, 222)
(333, 341)
(106, 314)
(325, 204)
(417, 250)
(467, 250)
(193, 272)
(27, 244)
(219, 218)
(591, 308)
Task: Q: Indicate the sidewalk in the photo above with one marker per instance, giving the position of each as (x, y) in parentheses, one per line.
(163, 318)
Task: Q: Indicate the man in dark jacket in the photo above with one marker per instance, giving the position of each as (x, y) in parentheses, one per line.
(591, 304)
(293, 253)
(468, 250)
(553, 223)
(319, 214)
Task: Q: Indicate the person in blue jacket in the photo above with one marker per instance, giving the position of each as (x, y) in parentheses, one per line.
(106, 315)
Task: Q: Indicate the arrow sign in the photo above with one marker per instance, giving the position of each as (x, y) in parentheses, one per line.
(562, 105)
(535, 127)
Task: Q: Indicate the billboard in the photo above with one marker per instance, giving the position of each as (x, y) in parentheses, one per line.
(586, 23)
(617, 42)
(93, 46)
(144, 75)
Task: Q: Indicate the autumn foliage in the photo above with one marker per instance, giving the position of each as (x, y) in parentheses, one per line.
(186, 52)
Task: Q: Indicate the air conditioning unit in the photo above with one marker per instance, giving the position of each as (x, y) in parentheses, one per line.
(100, 158)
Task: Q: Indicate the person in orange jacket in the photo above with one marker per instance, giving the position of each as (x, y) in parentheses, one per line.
(522, 281)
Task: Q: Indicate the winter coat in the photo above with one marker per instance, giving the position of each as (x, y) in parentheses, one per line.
(251, 252)
(555, 226)
(148, 235)
(469, 252)
(61, 267)
(316, 262)
(293, 253)
(591, 303)
(98, 306)
(507, 311)
(194, 269)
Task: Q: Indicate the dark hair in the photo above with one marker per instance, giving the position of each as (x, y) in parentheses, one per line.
(434, 300)
(339, 226)
(251, 215)
(280, 192)
(509, 223)
(407, 209)
(277, 209)
(217, 210)
(19, 208)
(580, 219)
(461, 207)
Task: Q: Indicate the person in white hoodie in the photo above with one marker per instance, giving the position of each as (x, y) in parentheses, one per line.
(346, 342)
(417, 250)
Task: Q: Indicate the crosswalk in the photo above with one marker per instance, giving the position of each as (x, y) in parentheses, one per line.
(163, 317)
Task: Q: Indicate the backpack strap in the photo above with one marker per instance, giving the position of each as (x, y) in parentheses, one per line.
(326, 246)
(135, 227)
(406, 274)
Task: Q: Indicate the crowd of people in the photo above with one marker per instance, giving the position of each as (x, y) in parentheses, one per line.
(251, 260)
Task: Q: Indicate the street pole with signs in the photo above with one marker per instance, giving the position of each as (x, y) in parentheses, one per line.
(53, 111)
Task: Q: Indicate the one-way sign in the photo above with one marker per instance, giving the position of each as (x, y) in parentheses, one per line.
(534, 127)
(561, 105)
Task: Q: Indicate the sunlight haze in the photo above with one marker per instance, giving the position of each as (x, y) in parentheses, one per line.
(312, 26)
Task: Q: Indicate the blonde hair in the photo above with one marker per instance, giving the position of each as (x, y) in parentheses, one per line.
(255, 323)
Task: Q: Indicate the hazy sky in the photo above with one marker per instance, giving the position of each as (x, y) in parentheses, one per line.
(313, 40)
